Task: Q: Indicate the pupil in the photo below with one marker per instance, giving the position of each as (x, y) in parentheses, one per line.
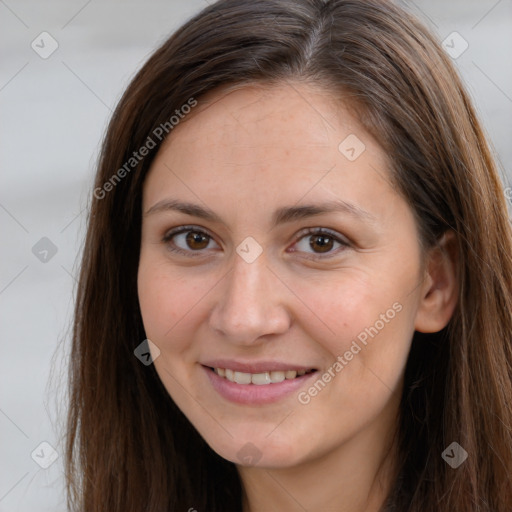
(323, 242)
(194, 238)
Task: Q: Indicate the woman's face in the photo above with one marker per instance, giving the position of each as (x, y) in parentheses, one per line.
(273, 243)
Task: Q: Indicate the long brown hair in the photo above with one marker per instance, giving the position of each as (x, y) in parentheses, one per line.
(129, 447)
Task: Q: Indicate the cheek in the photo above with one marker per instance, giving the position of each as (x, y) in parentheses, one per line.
(167, 303)
(364, 358)
(343, 308)
(364, 326)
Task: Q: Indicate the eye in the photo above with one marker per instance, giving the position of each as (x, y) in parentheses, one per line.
(320, 241)
(188, 240)
(191, 241)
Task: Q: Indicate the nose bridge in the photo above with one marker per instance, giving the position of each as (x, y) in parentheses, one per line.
(250, 303)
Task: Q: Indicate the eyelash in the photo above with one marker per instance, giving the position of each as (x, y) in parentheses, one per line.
(308, 231)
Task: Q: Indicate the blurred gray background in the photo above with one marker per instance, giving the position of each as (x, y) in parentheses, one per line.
(54, 110)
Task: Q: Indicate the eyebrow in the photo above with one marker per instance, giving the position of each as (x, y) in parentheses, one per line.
(281, 215)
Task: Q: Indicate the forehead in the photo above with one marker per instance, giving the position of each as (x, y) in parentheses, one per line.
(282, 117)
(292, 119)
(272, 143)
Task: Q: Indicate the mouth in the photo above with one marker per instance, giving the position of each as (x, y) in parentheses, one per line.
(258, 388)
(260, 378)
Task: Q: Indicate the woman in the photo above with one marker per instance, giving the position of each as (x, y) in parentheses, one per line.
(296, 284)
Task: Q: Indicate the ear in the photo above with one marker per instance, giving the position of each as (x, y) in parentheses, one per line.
(440, 289)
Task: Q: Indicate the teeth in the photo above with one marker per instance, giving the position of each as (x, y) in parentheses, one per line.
(277, 376)
(242, 378)
(258, 379)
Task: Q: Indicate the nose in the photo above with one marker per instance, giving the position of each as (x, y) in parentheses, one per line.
(250, 304)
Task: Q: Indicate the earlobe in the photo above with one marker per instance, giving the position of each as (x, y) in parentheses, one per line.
(440, 289)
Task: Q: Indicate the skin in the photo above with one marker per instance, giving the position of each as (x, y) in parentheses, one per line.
(244, 153)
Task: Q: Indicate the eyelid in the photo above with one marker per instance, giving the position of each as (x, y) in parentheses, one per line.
(342, 239)
(180, 229)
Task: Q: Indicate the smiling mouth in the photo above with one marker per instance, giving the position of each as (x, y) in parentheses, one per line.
(260, 379)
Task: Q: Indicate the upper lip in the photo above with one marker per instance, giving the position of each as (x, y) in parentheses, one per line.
(254, 366)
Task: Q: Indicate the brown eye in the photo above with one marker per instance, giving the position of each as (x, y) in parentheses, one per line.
(196, 240)
(321, 243)
(189, 241)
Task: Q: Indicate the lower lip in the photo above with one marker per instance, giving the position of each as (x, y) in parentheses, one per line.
(254, 394)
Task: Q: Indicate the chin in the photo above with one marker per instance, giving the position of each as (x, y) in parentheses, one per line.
(259, 451)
